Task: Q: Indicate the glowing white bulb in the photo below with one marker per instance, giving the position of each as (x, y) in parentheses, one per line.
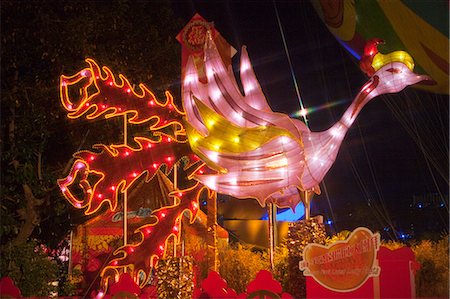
(189, 78)
(215, 94)
(211, 182)
(237, 115)
(249, 87)
(303, 112)
(209, 73)
(245, 66)
(213, 156)
(337, 131)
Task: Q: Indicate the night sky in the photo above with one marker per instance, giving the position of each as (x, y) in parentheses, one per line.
(380, 161)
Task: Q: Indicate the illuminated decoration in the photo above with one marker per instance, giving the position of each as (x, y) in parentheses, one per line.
(118, 167)
(263, 286)
(139, 258)
(372, 60)
(344, 265)
(262, 154)
(214, 286)
(192, 39)
(103, 176)
(8, 288)
(103, 95)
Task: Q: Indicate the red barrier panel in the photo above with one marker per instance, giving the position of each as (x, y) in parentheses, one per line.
(396, 279)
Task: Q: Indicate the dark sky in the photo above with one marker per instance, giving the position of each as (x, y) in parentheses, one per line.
(380, 161)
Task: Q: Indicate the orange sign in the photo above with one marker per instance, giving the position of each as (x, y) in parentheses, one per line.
(344, 265)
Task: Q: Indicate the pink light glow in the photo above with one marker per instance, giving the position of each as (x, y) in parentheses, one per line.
(304, 157)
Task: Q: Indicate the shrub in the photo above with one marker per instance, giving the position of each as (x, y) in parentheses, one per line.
(30, 268)
(239, 265)
(432, 277)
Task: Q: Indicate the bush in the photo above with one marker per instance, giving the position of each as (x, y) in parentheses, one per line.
(239, 265)
(30, 268)
(281, 271)
(432, 277)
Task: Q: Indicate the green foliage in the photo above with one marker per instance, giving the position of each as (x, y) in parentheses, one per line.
(30, 268)
(239, 265)
(432, 279)
(281, 262)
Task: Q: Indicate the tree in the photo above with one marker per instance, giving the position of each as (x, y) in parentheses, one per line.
(40, 41)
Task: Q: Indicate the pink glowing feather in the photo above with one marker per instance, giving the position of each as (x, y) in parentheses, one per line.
(301, 162)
